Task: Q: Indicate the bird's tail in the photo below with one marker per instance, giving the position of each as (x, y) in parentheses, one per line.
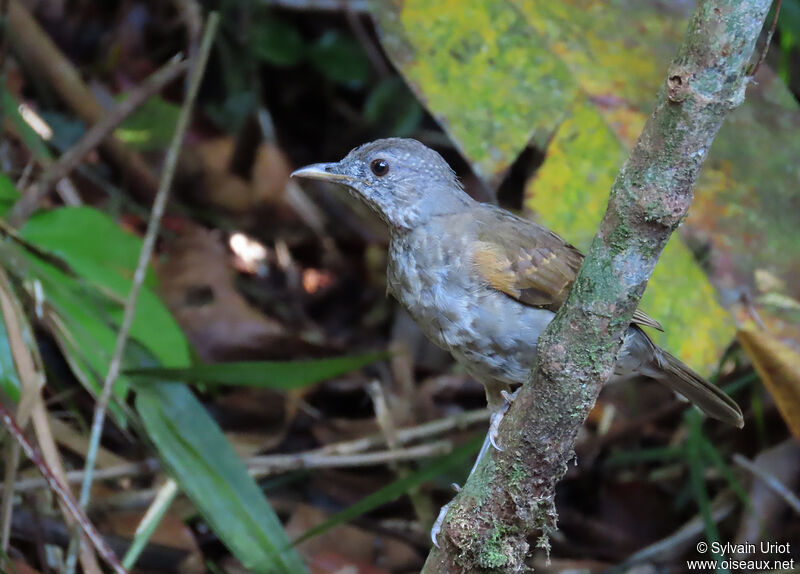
(710, 398)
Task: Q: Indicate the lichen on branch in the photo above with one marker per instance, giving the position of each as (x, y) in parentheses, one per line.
(511, 495)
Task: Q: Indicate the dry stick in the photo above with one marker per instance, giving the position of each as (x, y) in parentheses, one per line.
(30, 200)
(63, 493)
(768, 39)
(30, 388)
(423, 507)
(263, 465)
(38, 53)
(260, 466)
(159, 206)
(29, 367)
(511, 495)
(772, 482)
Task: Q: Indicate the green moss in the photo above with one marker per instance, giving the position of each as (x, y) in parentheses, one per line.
(495, 552)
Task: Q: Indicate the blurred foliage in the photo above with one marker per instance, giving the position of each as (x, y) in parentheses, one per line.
(151, 126)
(574, 79)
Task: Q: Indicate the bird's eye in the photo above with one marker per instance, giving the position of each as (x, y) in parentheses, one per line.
(379, 167)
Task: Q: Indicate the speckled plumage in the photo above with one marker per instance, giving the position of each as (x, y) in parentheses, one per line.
(481, 282)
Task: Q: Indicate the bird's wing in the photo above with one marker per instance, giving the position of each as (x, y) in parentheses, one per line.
(528, 262)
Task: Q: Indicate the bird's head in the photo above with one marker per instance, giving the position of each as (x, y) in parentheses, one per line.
(404, 182)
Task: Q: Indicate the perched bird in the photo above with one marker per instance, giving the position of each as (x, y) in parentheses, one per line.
(483, 283)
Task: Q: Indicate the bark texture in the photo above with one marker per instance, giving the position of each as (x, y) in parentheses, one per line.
(510, 497)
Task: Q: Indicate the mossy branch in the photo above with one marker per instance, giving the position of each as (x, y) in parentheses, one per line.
(511, 495)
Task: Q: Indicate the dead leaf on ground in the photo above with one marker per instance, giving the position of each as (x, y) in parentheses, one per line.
(762, 520)
(197, 284)
(778, 365)
(348, 545)
(215, 186)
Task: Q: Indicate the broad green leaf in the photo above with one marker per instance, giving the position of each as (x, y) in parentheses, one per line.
(284, 375)
(9, 379)
(29, 137)
(398, 488)
(481, 70)
(569, 194)
(105, 256)
(8, 194)
(276, 41)
(392, 108)
(151, 126)
(206, 468)
(341, 59)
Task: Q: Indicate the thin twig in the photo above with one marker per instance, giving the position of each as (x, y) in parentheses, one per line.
(406, 435)
(150, 521)
(762, 56)
(772, 483)
(29, 368)
(159, 206)
(63, 493)
(261, 466)
(423, 507)
(266, 465)
(30, 200)
(722, 506)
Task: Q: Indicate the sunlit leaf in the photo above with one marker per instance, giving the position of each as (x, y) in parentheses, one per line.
(481, 70)
(778, 365)
(151, 126)
(284, 375)
(28, 136)
(206, 468)
(569, 194)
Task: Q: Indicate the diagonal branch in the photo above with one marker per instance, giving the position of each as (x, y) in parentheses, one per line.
(511, 495)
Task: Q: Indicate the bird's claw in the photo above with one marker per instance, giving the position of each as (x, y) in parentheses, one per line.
(497, 417)
(437, 526)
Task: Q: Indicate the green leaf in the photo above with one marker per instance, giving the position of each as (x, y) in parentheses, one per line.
(341, 59)
(9, 379)
(73, 235)
(482, 70)
(151, 126)
(697, 481)
(393, 108)
(205, 466)
(276, 41)
(284, 375)
(569, 193)
(398, 488)
(29, 137)
(8, 194)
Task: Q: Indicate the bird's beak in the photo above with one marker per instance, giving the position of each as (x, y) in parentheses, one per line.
(323, 172)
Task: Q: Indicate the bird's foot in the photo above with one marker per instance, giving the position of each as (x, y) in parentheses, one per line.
(497, 417)
(437, 526)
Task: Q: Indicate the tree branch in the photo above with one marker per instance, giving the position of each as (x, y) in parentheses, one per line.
(511, 495)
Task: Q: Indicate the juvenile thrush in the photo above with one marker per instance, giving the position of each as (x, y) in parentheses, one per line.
(483, 283)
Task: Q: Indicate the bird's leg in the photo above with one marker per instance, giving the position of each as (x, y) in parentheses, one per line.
(499, 398)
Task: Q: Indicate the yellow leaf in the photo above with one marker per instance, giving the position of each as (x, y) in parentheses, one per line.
(778, 365)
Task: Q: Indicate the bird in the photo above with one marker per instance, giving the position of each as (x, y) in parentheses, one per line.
(483, 283)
